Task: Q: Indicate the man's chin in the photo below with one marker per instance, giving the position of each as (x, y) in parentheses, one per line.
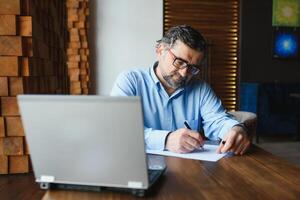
(176, 85)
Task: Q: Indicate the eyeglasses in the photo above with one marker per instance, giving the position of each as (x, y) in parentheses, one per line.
(181, 64)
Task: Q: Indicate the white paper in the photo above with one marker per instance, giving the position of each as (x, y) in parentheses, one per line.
(207, 154)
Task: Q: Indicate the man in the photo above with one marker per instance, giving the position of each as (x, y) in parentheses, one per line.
(170, 96)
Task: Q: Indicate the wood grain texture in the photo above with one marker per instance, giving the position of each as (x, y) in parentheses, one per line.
(9, 65)
(72, 51)
(25, 68)
(25, 25)
(74, 74)
(3, 86)
(28, 48)
(2, 129)
(14, 126)
(1, 146)
(9, 106)
(16, 86)
(10, 7)
(77, 48)
(3, 163)
(19, 186)
(18, 164)
(26, 147)
(8, 25)
(75, 87)
(10, 45)
(257, 175)
(13, 146)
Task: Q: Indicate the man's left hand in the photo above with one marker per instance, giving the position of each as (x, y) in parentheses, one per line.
(236, 141)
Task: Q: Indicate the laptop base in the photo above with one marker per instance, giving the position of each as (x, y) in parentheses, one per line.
(154, 175)
(60, 186)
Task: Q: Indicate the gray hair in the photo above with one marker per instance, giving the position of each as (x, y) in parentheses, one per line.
(186, 34)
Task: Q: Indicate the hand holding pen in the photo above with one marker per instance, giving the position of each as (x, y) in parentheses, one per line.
(183, 140)
(186, 124)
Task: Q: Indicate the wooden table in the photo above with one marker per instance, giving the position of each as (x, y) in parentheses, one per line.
(257, 175)
(20, 186)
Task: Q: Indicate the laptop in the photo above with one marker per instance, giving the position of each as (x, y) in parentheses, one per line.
(88, 143)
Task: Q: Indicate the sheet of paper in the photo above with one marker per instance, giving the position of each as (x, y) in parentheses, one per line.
(207, 154)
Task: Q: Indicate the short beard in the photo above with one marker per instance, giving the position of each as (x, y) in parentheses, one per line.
(181, 82)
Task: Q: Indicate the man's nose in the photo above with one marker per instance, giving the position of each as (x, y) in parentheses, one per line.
(183, 72)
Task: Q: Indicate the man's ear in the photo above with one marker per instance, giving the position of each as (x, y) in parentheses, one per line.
(159, 49)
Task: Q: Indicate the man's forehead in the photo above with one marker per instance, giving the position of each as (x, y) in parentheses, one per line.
(187, 53)
(179, 44)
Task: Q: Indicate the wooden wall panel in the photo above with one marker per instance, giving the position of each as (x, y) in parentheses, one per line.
(3, 86)
(9, 66)
(78, 49)
(18, 164)
(16, 86)
(2, 132)
(3, 163)
(10, 46)
(33, 60)
(14, 126)
(9, 106)
(8, 25)
(10, 7)
(25, 25)
(13, 146)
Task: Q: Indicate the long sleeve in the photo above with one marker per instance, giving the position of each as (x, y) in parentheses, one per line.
(155, 139)
(216, 122)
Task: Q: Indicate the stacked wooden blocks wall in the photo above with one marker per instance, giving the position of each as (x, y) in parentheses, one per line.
(78, 50)
(33, 36)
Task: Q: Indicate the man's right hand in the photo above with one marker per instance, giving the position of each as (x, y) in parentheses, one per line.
(183, 141)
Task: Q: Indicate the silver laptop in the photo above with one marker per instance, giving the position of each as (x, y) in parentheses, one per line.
(88, 142)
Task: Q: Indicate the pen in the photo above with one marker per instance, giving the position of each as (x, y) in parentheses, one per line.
(186, 124)
(220, 141)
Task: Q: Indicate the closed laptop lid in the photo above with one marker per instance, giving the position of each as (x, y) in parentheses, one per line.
(86, 140)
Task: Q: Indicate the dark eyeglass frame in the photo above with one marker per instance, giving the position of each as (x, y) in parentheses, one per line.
(180, 63)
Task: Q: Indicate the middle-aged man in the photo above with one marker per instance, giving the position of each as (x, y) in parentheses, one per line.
(170, 96)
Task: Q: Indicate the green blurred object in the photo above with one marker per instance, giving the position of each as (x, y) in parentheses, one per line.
(286, 13)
